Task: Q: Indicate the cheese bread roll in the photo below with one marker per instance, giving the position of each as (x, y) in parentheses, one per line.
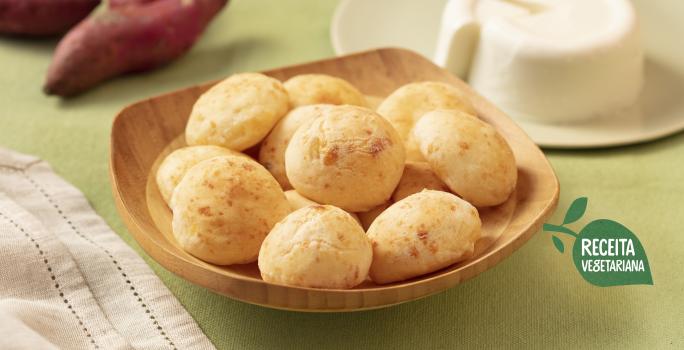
(237, 112)
(318, 246)
(367, 217)
(224, 207)
(309, 89)
(272, 151)
(405, 106)
(422, 233)
(469, 155)
(350, 157)
(297, 201)
(417, 176)
(177, 163)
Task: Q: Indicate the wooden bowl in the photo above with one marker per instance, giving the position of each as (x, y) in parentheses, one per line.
(148, 130)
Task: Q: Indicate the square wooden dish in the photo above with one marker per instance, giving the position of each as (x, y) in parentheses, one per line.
(145, 132)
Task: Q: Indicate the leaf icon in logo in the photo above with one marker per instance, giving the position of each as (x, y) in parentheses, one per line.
(621, 258)
(576, 210)
(558, 243)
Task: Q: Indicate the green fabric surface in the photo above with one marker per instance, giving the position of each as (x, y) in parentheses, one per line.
(534, 299)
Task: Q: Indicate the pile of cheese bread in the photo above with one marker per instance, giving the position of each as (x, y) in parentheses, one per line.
(334, 192)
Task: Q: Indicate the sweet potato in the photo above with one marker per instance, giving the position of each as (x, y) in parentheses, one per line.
(127, 39)
(119, 3)
(42, 17)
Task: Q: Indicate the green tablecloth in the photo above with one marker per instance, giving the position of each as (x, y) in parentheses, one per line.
(535, 298)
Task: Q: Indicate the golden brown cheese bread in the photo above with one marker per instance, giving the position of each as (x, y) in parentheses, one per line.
(405, 106)
(177, 163)
(349, 157)
(469, 155)
(237, 112)
(309, 89)
(367, 217)
(297, 201)
(318, 246)
(417, 176)
(224, 207)
(422, 233)
(272, 151)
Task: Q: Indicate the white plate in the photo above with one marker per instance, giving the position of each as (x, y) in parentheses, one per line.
(365, 24)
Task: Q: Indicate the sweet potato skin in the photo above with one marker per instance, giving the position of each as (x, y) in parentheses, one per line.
(42, 17)
(127, 39)
(119, 3)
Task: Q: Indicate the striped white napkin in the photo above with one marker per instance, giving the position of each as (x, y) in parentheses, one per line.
(67, 281)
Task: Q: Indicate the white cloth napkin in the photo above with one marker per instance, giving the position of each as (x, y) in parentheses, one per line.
(67, 281)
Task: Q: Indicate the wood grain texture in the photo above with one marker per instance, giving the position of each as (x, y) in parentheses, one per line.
(146, 131)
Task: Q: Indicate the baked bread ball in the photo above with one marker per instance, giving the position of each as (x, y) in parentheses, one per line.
(297, 201)
(177, 163)
(272, 150)
(318, 246)
(422, 233)
(309, 89)
(350, 157)
(417, 176)
(238, 112)
(469, 155)
(366, 218)
(224, 207)
(405, 106)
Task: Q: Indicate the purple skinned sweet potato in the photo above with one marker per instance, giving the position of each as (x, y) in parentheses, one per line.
(43, 17)
(127, 39)
(119, 3)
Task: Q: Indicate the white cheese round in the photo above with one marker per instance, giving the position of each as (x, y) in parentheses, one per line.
(546, 60)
